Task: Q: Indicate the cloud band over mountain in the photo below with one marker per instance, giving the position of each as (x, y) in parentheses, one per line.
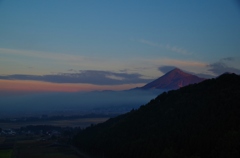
(86, 76)
(213, 69)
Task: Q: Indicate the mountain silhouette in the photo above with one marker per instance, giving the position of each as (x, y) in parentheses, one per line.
(174, 79)
(196, 121)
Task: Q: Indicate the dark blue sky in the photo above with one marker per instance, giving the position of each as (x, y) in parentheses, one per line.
(121, 38)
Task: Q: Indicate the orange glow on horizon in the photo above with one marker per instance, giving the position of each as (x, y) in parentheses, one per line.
(39, 86)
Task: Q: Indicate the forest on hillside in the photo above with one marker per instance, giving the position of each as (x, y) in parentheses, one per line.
(196, 121)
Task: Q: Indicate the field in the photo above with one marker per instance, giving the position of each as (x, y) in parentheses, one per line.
(36, 147)
(6, 153)
(80, 122)
(42, 148)
(23, 146)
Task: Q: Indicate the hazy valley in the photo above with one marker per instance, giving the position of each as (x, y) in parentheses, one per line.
(99, 102)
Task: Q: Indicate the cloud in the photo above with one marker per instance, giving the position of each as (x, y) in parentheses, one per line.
(87, 76)
(15, 62)
(165, 69)
(115, 77)
(219, 68)
(228, 64)
(43, 55)
(159, 67)
(10, 87)
(167, 47)
(228, 59)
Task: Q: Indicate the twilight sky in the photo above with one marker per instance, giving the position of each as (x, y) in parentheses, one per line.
(62, 45)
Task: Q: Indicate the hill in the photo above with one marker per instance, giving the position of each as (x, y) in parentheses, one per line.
(196, 121)
(173, 80)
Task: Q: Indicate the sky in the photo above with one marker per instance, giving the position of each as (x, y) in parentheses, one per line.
(76, 45)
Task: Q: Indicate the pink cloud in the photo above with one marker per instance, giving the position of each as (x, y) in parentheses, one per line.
(38, 86)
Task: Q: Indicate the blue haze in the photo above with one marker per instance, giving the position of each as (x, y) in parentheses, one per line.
(99, 102)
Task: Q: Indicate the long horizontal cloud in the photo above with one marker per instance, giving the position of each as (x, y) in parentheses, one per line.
(87, 76)
(166, 46)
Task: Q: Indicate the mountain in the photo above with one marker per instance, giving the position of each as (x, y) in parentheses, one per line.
(196, 121)
(174, 79)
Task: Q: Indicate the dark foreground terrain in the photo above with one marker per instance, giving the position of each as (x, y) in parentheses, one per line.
(45, 137)
(39, 141)
(196, 121)
(36, 147)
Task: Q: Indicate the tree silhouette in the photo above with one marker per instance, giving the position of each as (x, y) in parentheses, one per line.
(196, 121)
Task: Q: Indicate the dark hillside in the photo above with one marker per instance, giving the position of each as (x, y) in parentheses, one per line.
(196, 121)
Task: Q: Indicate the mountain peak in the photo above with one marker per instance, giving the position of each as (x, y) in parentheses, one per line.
(178, 71)
(174, 79)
